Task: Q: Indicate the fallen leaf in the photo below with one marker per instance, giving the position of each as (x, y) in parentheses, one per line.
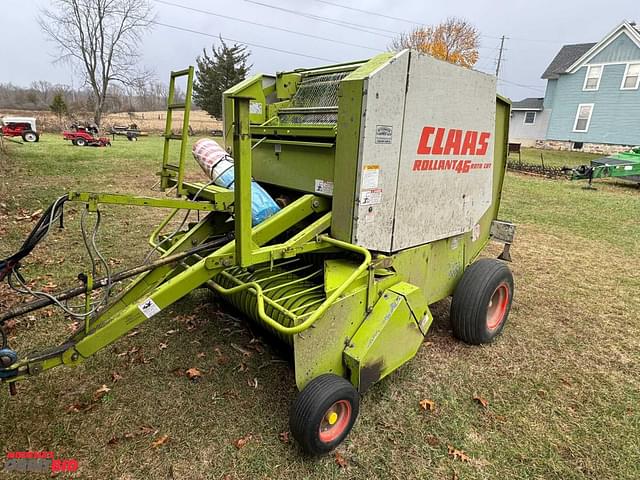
(253, 383)
(129, 435)
(193, 373)
(160, 441)
(284, 437)
(147, 430)
(115, 376)
(101, 392)
(457, 454)
(171, 332)
(242, 441)
(201, 355)
(482, 401)
(133, 333)
(162, 346)
(340, 460)
(427, 404)
(74, 407)
(49, 287)
(565, 382)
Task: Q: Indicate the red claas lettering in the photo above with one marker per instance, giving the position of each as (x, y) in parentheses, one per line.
(453, 141)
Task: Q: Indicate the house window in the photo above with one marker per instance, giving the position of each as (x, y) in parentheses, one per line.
(592, 80)
(529, 118)
(631, 77)
(583, 117)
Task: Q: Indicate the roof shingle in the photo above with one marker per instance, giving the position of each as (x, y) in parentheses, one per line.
(530, 103)
(567, 55)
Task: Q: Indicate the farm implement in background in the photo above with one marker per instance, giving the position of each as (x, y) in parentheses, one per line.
(349, 199)
(624, 165)
(83, 136)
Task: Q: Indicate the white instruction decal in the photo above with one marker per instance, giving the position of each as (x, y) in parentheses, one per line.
(475, 234)
(371, 197)
(384, 134)
(255, 108)
(149, 308)
(370, 177)
(324, 186)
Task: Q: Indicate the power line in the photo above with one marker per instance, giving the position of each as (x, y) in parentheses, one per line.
(256, 45)
(370, 12)
(530, 87)
(273, 27)
(332, 21)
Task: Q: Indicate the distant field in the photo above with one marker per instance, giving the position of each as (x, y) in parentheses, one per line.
(154, 121)
(562, 384)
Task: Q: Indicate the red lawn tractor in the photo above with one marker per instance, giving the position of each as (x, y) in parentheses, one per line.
(24, 127)
(82, 136)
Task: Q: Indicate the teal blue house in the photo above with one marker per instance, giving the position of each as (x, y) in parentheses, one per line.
(592, 97)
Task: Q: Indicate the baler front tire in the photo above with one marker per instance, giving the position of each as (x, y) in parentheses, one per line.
(81, 142)
(482, 301)
(324, 413)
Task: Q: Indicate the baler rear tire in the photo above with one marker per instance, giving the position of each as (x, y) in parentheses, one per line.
(325, 396)
(482, 301)
(81, 142)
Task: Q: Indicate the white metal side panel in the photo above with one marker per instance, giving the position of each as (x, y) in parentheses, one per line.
(446, 164)
(380, 142)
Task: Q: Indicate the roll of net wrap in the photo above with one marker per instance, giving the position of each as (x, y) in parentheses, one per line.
(218, 166)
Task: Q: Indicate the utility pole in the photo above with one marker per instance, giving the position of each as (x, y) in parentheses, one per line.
(500, 56)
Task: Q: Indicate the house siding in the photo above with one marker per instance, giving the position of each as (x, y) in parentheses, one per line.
(528, 134)
(550, 93)
(622, 49)
(616, 113)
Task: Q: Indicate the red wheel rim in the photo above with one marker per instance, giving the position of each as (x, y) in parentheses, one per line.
(335, 421)
(497, 306)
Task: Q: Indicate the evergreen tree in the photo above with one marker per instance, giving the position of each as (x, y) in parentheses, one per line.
(58, 105)
(225, 68)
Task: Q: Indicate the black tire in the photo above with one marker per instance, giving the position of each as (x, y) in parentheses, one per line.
(81, 142)
(482, 301)
(30, 136)
(311, 413)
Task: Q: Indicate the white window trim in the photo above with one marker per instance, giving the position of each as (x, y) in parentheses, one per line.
(624, 78)
(586, 78)
(575, 122)
(535, 116)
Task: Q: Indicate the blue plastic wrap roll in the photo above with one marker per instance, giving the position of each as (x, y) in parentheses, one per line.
(218, 165)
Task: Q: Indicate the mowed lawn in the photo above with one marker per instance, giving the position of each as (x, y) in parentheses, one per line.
(562, 384)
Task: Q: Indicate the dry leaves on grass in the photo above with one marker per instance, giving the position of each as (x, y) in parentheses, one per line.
(115, 377)
(160, 441)
(481, 401)
(457, 454)
(194, 374)
(340, 460)
(284, 437)
(242, 441)
(427, 404)
(101, 392)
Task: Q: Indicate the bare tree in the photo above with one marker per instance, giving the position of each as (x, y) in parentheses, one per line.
(455, 41)
(100, 38)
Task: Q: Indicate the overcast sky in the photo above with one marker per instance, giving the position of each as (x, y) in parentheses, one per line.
(535, 31)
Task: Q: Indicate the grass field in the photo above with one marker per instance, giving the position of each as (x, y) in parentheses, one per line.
(562, 384)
